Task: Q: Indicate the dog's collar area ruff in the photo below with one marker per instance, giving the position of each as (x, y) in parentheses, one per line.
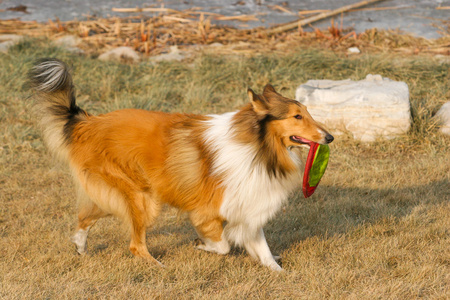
(300, 140)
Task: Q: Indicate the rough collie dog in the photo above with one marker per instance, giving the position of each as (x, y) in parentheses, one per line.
(231, 173)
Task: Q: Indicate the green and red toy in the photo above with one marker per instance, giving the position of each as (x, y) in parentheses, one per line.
(315, 166)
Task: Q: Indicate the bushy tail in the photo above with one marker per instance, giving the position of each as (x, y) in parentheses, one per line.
(55, 104)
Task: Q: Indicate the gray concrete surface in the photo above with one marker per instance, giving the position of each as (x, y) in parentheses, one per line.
(416, 16)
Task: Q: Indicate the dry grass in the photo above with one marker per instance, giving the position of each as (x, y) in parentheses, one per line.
(377, 227)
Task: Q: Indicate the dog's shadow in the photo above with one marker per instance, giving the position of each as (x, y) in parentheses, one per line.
(335, 210)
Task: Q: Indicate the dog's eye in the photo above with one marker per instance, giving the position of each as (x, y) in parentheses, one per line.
(298, 117)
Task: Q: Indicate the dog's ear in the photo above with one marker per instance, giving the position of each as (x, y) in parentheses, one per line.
(260, 104)
(269, 89)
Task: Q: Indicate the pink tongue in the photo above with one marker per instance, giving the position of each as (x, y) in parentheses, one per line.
(303, 140)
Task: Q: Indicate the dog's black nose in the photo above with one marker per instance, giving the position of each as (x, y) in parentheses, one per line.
(329, 138)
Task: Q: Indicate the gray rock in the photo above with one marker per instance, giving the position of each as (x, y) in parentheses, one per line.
(443, 116)
(121, 54)
(216, 45)
(8, 40)
(174, 54)
(4, 47)
(369, 108)
(68, 41)
(11, 37)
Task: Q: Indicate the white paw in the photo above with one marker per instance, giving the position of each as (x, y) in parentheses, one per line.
(81, 249)
(271, 263)
(79, 239)
(276, 267)
(203, 247)
(221, 247)
(212, 249)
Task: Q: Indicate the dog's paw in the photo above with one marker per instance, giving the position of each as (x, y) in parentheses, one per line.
(80, 245)
(276, 267)
(272, 264)
(221, 247)
(198, 242)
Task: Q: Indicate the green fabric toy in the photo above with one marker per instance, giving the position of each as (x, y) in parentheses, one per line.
(315, 167)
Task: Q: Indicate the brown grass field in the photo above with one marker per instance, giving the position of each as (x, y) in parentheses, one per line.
(378, 226)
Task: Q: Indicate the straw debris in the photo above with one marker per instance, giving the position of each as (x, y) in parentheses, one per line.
(191, 30)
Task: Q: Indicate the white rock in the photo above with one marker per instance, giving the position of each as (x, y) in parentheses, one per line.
(8, 40)
(370, 108)
(353, 50)
(174, 54)
(121, 54)
(443, 116)
(4, 47)
(68, 41)
(442, 59)
(10, 37)
(215, 45)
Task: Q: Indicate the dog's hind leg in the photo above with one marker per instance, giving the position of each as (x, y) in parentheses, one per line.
(88, 214)
(143, 209)
(211, 234)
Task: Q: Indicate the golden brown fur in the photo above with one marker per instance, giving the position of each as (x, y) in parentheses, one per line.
(157, 159)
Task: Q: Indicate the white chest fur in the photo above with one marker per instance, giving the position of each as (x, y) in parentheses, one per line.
(252, 196)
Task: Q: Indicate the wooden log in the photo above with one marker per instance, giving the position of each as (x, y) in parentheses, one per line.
(321, 16)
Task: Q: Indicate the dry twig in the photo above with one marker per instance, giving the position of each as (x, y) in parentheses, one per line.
(321, 16)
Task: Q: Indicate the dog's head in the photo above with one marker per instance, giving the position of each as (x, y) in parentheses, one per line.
(287, 119)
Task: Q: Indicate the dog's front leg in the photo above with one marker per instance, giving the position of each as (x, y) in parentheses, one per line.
(257, 248)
